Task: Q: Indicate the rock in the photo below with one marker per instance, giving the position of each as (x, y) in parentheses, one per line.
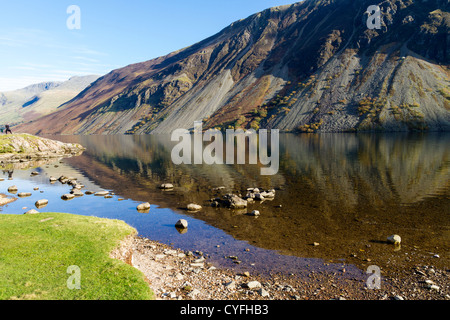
(234, 202)
(143, 206)
(230, 285)
(13, 189)
(394, 239)
(101, 193)
(77, 193)
(263, 293)
(254, 213)
(194, 207)
(24, 194)
(315, 244)
(89, 192)
(36, 188)
(182, 224)
(41, 203)
(32, 211)
(53, 179)
(35, 173)
(197, 265)
(259, 197)
(253, 285)
(397, 297)
(166, 186)
(67, 196)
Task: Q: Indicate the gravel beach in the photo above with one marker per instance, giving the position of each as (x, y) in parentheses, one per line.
(177, 275)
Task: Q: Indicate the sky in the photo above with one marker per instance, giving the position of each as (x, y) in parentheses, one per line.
(41, 40)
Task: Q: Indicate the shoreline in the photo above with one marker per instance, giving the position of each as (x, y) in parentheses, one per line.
(174, 274)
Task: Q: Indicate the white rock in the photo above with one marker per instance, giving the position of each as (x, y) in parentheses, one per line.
(143, 206)
(255, 213)
(194, 207)
(253, 285)
(263, 293)
(32, 211)
(395, 239)
(183, 224)
(101, 193)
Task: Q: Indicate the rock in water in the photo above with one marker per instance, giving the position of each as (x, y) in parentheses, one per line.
(41, 203)
(12, 189)
(67, 196)
(143, 206)
(394, 239)
(182, 224)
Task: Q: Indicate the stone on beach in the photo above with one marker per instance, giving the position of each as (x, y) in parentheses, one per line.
(394, 239)
(194, 207)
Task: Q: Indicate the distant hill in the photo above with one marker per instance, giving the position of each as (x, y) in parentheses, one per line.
(37, 100)
(313, 66)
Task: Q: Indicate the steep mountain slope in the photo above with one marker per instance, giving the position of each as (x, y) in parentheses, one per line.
(40, 99)
(310, 66)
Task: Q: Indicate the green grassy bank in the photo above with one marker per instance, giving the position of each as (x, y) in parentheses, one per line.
(37, 250)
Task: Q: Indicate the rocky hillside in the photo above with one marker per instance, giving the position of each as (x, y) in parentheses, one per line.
(40, 99)
(23, 147)
(313, 66)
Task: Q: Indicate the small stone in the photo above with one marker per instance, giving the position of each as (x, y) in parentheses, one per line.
(397, 297)
(253, 285)
(254, 213)
(182, 224)
(13, 189)
(394, 239)
(101, 193)
(263, 293)
(41, 203)
(166, 186)
(67, 196)
(230, 285)
(194, 207)
(35, 173)
(315, 244)
(143, 206)
(32, 211)
(24, 194)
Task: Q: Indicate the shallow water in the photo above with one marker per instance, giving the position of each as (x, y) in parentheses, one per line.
(346, 192)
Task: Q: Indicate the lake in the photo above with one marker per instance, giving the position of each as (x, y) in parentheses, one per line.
(344, 192)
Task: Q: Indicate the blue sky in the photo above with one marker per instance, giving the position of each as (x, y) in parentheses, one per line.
(36, 45)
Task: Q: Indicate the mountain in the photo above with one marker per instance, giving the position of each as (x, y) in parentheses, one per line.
(40, 99)
(310, 66)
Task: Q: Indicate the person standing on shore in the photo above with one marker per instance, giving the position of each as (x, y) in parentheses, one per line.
(7, 129)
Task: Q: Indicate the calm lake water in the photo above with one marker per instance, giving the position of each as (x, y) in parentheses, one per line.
(346, 192)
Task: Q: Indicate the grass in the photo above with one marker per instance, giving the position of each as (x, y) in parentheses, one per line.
(37, 250)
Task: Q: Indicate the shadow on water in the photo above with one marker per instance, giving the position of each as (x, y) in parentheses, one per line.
(346, 192)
